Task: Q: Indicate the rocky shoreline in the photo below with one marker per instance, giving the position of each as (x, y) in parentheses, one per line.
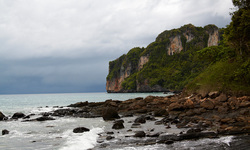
(159, 120)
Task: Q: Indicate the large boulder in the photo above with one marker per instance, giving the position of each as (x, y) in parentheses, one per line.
(2, 116)
(18, 115)
(80, 130)
(109, 114)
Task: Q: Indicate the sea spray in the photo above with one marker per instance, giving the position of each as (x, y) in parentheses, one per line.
(77, 141)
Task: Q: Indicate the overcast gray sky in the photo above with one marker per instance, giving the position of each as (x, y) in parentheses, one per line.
(54, 46)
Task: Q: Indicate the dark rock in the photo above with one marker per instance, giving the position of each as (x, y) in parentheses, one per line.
(18, 115)
(169, 142)
(80, 130)
(153, 135)
(64, 112)
(171, 137)
(140, 134)
(5, 132)
(79, 104)
(118, 125)
(109, 137)
(44, 118)
(198, 135)
(141, 119)
(158, 122)
(110, 132)
(136, 125)
(2, 116)
(110, 114)
(193, 130)
(160, 113)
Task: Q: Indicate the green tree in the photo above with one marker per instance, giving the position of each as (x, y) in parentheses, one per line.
(237, 33)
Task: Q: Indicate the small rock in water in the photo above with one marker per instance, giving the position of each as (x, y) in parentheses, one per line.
(18, 115)
(5, 132)
(110, 132)
(118, 125)
(109, 137)
(136, 125)
(140, 134)
(80, 130)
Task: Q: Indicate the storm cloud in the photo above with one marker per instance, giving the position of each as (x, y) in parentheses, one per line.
(53, 46)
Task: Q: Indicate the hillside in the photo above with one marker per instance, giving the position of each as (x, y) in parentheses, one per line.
(189, 59)
(168, 63)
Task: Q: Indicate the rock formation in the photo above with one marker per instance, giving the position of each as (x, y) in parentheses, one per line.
(174, 41)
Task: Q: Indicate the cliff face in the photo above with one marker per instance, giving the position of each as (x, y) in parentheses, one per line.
(126, 73)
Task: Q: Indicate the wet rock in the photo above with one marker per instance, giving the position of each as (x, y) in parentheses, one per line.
(2, 116)
(44, 118)
(18, 115)
(193, 130)
(154, 135)
(160, 113)
(140, 134)
(64, 112)
(79, 104)
(136, 125)
(110, 114)
(141, 119)
(171, 137)
(5, 132)
(207, 104)
(80, 130)
(109, 137)
(198, 135)
(110, 132)
(118, 125)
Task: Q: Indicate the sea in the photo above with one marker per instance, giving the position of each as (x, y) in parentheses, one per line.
(58, 134)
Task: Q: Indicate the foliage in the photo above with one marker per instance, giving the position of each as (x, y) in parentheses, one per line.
(237, 32)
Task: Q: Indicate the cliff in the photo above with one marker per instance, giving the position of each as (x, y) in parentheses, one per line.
(163, 63)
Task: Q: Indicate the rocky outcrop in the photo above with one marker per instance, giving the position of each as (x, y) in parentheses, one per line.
(213, 39)
(2, 116)
(174, 41)
(175, 45)
(143, 60)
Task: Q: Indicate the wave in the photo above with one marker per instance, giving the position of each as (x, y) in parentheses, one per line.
(77, 141)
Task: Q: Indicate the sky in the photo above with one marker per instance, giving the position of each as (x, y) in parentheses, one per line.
(64, 46)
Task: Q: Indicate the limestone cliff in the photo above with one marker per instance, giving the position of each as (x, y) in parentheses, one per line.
(127, 73)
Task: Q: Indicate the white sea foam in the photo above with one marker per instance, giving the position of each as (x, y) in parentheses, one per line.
(81, 141)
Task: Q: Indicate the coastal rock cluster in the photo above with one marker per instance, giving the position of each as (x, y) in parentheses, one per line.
(208, 116)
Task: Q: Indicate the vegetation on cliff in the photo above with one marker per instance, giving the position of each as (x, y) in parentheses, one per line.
(196, 67)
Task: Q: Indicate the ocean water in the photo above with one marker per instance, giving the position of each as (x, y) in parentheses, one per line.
(58, 134)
